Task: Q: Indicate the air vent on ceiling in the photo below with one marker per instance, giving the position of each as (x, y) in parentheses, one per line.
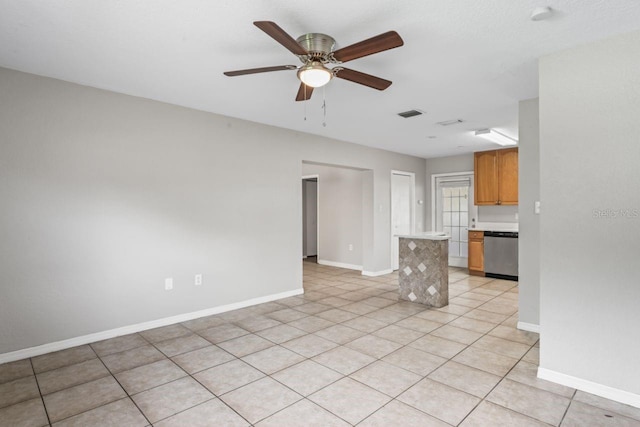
(450, 122)
(410, 113)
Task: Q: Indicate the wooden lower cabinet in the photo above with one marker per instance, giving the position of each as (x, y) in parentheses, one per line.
(476, 253)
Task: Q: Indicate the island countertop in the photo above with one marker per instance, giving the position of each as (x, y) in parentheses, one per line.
(429, 235)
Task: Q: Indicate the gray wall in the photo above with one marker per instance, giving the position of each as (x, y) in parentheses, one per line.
(104, 195)
(340, 198)
(529, 224)
(309, 217)
(589, 157)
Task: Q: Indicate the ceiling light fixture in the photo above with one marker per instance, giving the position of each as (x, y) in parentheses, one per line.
(450, 122)
(495, 137)
(314, 74)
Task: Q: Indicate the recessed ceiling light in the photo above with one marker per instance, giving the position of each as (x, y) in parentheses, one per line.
(495, 137)
(540, 13)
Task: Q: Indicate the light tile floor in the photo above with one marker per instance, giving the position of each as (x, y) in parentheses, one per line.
(347, 352)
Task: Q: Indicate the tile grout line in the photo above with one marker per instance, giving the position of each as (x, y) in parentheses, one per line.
(575, 391)
(215, 396)
(123, 389)
(46, 412)
(495, 386)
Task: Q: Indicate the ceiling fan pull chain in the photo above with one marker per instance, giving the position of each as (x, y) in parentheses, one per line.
(324, 107)
(305, 104)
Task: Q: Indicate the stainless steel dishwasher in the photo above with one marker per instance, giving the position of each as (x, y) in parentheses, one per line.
(501, 254)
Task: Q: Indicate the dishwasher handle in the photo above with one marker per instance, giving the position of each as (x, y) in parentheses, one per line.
(509, 234)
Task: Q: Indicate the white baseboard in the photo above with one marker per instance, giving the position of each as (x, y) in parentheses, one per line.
(339, 264)
(607, 392)
(376, 273)
(130, 329)
(458, 262)
(531, 327)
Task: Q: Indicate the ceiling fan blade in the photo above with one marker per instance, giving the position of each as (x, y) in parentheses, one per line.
(259, 70)
(281, 36)
(382, 42)
(304, 93)
(363, 79)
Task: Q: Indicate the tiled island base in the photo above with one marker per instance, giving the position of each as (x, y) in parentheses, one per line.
(424, 272)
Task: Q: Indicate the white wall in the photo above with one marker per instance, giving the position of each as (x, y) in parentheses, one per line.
(589, 157)
(529, 224)
(504, 214)
(104, 195)
(340, 216)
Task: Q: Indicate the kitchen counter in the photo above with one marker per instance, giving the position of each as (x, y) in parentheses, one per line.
(429, 235)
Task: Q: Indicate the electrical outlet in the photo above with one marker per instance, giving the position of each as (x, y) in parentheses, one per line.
(350, 247)
(198, 280)
(168, 283)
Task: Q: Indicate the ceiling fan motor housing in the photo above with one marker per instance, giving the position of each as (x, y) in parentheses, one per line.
(318, 45)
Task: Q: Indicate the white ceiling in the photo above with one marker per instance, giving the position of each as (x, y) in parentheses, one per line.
(467, 59)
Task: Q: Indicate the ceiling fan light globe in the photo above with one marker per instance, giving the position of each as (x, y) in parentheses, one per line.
(315, 75)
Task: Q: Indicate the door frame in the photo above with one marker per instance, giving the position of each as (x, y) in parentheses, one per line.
(473, 211)
(434, 190)
(317, 177)
(412, 208)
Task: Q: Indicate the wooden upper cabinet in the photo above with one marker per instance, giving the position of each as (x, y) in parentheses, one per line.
(496, 177)
(508, 176)
(485, 166)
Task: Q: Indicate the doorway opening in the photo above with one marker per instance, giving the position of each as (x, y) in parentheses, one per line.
(402, 210)
(453, 212)
(310, 208)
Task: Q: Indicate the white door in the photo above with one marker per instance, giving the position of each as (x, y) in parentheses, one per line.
(401, 211)
(454, 212)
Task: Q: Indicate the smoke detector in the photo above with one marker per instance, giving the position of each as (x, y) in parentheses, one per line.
(541, 13)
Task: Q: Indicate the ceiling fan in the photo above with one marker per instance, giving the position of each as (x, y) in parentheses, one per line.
(315, 51)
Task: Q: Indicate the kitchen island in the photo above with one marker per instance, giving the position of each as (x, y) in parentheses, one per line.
(424, 269)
